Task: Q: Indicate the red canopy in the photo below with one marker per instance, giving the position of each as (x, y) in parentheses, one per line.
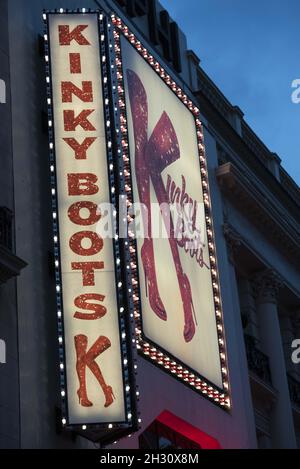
(187, 431)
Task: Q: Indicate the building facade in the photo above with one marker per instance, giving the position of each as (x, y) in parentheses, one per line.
(256, 211)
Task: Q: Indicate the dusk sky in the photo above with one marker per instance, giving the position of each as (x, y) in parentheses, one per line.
(251, 50)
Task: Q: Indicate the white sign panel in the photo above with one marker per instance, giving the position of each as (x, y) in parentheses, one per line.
(177, 298)
(95, 386)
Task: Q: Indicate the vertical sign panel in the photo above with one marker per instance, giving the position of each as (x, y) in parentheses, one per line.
(93, 359)
(179, 315)
(180, 319)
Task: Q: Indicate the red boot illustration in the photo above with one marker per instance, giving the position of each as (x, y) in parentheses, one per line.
(87, 359)
(151, 159)
(162, 151)
(81, 342)
(139, 110)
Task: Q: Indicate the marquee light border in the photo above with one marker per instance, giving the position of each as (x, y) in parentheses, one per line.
(123, 278)
(149, 350)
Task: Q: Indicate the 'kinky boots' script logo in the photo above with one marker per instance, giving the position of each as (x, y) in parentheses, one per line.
(189, 233)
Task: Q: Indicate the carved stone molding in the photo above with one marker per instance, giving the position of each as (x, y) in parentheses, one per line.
(270, 217)
(266, 286)
(233, 240)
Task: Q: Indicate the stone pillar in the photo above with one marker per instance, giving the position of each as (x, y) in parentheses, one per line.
(244, 287)
(234, 243)
(267, 285)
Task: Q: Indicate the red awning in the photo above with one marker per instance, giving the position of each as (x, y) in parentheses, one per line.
(188, 431)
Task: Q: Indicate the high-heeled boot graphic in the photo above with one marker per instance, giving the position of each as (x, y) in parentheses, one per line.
(151, 159)
(87, 359)
(162, 151)
(139, 110)
(81, 342)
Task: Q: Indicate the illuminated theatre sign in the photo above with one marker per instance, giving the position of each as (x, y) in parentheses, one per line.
(178, 310)
(112, 139)
(97, 386)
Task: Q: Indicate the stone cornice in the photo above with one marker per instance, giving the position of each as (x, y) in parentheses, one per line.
(275, 224)
(10, 265)
(224, 131)
(209, 95)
